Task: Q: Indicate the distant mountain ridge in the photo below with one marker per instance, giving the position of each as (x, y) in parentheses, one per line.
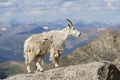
(33, 31)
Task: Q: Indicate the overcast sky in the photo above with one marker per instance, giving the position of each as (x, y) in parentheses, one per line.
(39, 10)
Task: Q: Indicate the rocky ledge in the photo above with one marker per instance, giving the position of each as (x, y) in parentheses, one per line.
(91, 71)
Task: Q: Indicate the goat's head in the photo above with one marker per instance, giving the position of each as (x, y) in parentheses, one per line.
(72, 30)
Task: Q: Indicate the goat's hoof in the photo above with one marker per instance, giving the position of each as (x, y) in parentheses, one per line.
(42, 70)
(36, 71)
(56, 66)
(30, 72)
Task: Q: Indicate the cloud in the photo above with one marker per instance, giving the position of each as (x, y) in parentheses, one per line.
(69, 7)
(110, 5)
(6, 3)
(36, 12)
(67, 4)
(9, 13)
(58, 9)
(96, 8)
(3, 4)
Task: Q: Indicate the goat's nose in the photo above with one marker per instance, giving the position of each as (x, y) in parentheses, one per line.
(79, 34)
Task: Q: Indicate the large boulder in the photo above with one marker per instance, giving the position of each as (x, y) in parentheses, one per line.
(91, 71)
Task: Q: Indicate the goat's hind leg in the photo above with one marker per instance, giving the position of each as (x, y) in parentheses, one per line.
(28, 67)
(28, 61)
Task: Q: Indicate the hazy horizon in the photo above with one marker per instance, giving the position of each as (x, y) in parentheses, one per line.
(105, 11)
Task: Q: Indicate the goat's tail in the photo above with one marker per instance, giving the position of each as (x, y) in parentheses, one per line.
(25, 54)
(25, 50)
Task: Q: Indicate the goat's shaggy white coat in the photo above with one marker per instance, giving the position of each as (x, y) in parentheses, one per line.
(52, 42)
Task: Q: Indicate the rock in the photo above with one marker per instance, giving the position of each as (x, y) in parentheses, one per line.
(91, 71)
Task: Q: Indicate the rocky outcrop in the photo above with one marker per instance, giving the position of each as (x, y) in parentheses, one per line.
(91, 71)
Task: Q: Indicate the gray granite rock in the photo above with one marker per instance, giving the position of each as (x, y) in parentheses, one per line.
(91, 71)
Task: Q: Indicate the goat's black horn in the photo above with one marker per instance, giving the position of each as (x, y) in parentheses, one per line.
(70, 21)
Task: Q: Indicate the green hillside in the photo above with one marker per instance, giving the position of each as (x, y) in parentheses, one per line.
(11, 68)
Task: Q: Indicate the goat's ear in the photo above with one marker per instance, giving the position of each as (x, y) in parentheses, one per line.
(69, 26)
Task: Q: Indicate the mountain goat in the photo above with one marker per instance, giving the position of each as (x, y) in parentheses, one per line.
(52, 42)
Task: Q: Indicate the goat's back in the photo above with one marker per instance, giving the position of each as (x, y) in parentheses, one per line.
(38, 43)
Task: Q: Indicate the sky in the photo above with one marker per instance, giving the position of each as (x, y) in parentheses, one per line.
(106, 11)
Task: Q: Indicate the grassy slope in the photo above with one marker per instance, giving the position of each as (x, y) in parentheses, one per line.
(11, 68)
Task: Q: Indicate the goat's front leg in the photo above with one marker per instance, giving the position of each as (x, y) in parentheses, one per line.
(39, 67)
(54, 56)
(56, 62)
(56, 59)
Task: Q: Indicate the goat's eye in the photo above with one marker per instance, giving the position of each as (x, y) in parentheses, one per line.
(73, 28)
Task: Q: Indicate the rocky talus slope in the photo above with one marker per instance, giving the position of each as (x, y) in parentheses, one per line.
(91, 71)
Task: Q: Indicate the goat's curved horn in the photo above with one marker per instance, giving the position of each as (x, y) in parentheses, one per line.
(70, 22)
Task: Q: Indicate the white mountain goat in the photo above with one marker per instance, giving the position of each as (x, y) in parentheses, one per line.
(52, 42)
